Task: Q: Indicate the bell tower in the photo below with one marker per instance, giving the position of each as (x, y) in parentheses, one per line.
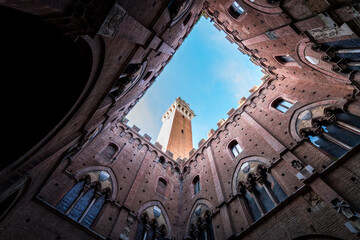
(176, 134)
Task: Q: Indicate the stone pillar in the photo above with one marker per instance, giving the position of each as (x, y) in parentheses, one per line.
(224, 213)
(121, 219)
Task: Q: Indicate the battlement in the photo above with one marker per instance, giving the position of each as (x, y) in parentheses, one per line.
(181, 106)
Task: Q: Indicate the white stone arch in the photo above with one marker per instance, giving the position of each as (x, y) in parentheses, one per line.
(163, 211)
(336, 102)
(81, 172)
(265, 161)
(198, 201)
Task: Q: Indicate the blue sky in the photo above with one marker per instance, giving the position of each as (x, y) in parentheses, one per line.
(208, 72)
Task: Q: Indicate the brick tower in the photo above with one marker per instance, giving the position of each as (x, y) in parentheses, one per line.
(175, 134)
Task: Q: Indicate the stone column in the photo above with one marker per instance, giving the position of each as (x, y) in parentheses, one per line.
(224, 213)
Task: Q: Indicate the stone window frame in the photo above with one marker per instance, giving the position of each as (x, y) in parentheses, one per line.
(201, 201)
(228, 11)
(286, 64)
(278, 99)
(335, 102)
(318, 120)
(158, 204)
(230, 147)
(242, 187)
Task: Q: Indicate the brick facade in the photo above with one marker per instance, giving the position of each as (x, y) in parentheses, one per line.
(301, 46)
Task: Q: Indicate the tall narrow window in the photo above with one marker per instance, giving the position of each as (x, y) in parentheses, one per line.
(235, 148)
(161, 187)
(196, 184)
(235, 10)
(282, 105)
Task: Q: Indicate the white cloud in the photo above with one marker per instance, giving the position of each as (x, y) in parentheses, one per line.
(143, 116)
(238, 79)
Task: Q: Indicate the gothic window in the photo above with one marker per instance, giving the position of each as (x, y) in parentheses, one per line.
(200, 223)
(259, 188)
(151, 225)
(109, 151)
(282, 105)
(235, 10)
(196, 184)
(84, 201)
(235, 148)
(161, 187)
(344, 55)
(332, 130)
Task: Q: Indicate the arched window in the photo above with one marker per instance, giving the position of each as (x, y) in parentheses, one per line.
(201, 224)
(235, 148)
(235, 10)
(151, 228)
(284, 59)
(332, 130)
(161, 186)
(84, 201)
(343, 55)
(162, 160)
(282, 105)
(196, 184)
(109, 151)
(259, 188)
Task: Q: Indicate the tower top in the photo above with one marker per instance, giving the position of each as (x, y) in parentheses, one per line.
(180, 105)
